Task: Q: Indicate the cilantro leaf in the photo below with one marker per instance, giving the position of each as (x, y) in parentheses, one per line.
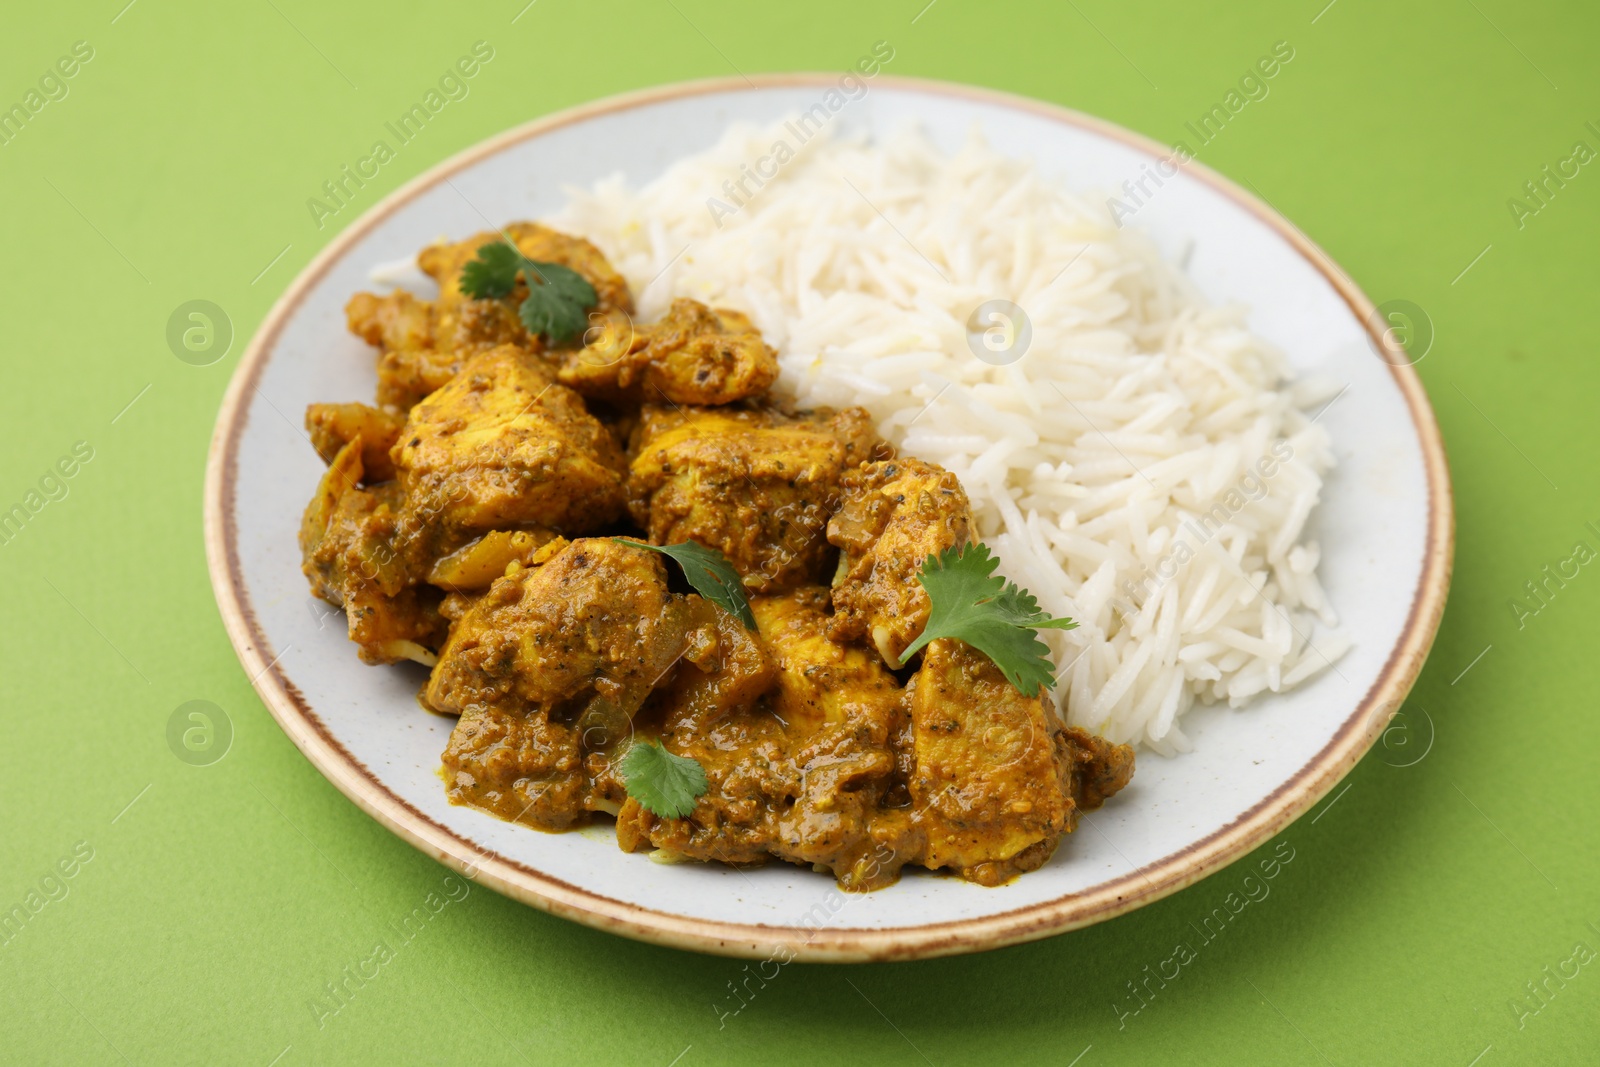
(565, 282)
(710, 573)
(558, 301)
(493, 274)
(558, 297)
(1018, 606)
(663, 783)
(997, 617)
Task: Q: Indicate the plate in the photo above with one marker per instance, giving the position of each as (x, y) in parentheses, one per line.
(1385, 525)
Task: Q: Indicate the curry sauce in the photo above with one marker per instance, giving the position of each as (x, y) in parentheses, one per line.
(477, 520)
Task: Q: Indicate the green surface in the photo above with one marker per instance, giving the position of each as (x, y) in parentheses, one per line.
(214, 909)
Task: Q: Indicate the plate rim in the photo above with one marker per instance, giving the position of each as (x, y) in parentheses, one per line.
(1116, 896)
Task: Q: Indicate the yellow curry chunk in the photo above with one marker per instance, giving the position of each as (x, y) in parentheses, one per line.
(444, 262)
(1096, 770)
(757, 485)
(423, 342)
(847, 814)
(796, 736)
(407, 375)
(986, 785)
(821, 681)
(694, 355)
(578, 626)
(504, 445)
(894, 514)
(332, 426)
(347, 540)
(547, 670)
(713, 711)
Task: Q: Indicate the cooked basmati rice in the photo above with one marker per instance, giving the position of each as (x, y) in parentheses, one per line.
(1111, 467)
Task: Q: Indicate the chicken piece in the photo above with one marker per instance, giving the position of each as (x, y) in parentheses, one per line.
(397, 321)
(556, 635)
(347, 545)
(504, 446)
(694, 355)
(798, 771)
(406, 376)
(520, 765)
(547, 670)
(895, 514)
(714, 712)
(444, 262)
(758, 485)
(733, 821)
(412, 360)
(422, 341)
(732, 670)
(1096, 769)
(332, 426)
(822, 682)
(987, 785)
(851, 707)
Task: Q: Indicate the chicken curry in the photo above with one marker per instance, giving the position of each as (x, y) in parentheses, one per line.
(488, 519)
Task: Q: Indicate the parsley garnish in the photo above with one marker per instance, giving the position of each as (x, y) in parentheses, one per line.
(665, 784)
(558, 297)
(709, 571)
(994, 616)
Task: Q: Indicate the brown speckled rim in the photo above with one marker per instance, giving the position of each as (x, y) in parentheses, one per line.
(839, 944)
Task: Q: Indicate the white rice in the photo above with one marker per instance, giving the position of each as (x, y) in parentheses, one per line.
(1136, 409)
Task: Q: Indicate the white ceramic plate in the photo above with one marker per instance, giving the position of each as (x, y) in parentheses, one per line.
(1385, 527)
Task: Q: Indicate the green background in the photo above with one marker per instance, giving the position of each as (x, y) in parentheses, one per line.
(215, 906)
